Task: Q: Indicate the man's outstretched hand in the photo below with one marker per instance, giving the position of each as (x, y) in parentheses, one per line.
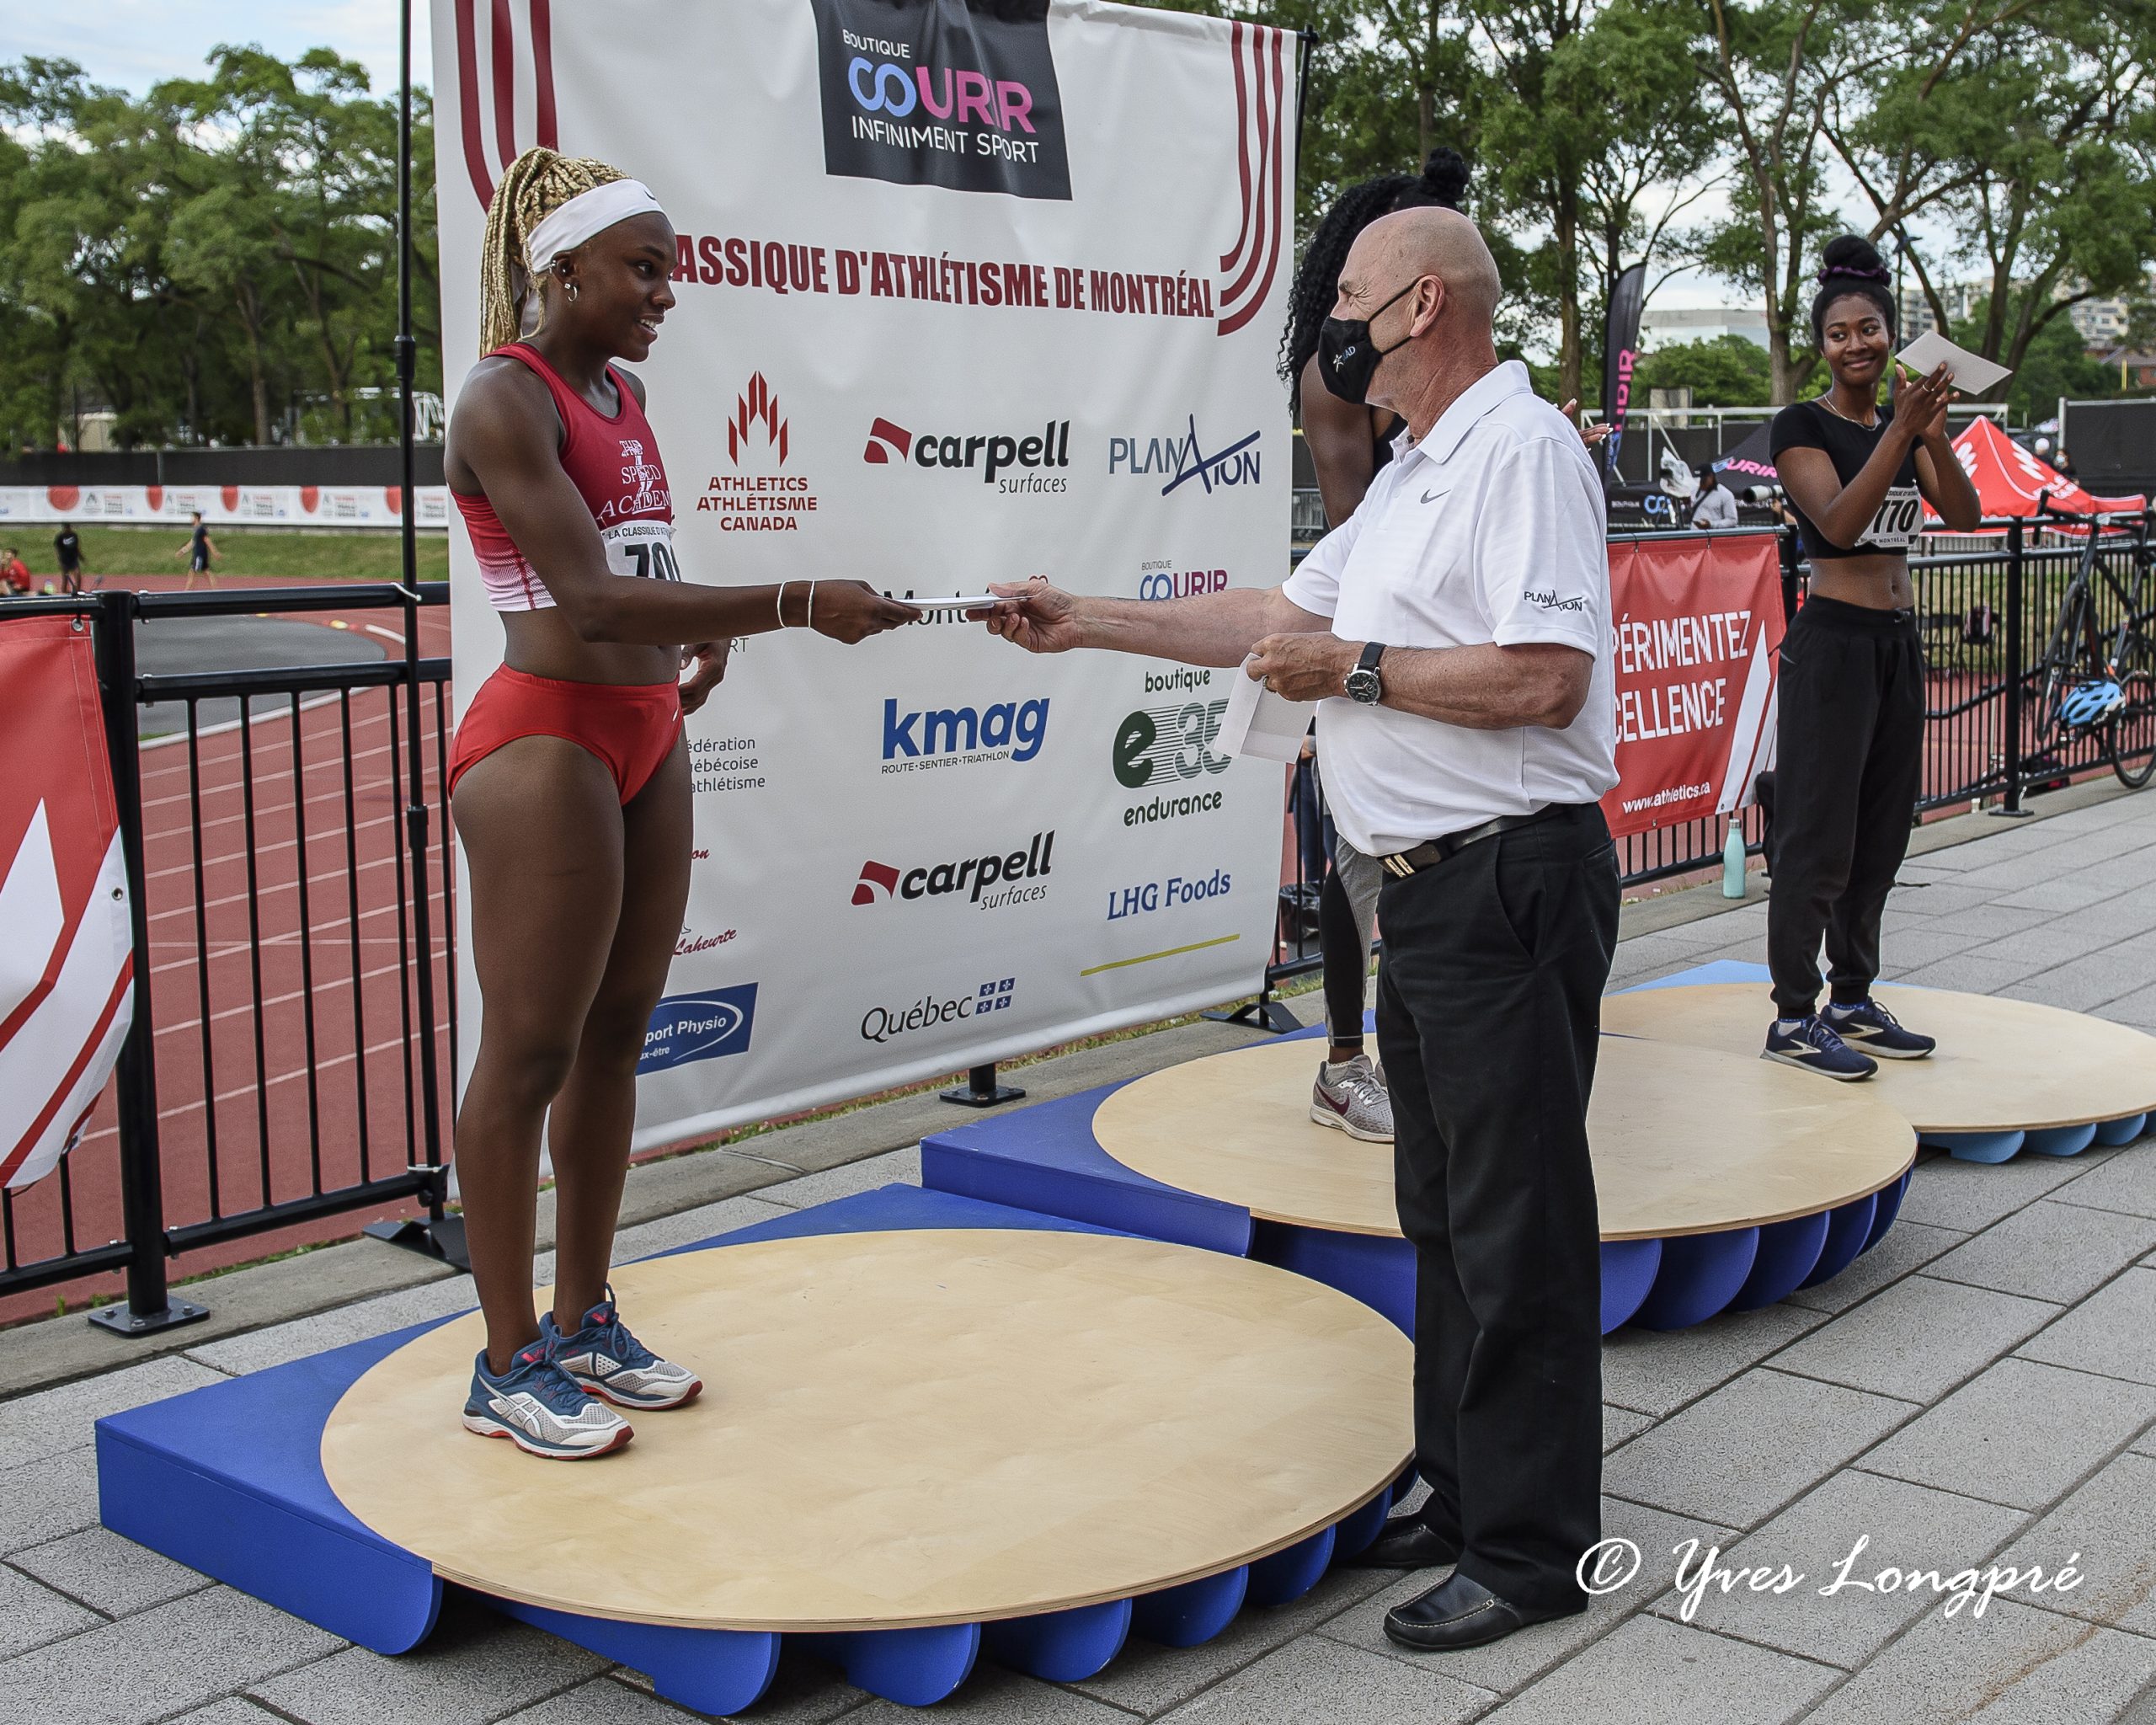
(1032, 615)
(1304, 667)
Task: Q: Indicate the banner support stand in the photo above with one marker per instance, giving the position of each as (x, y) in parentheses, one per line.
(981, 1090)
(1263, 1013)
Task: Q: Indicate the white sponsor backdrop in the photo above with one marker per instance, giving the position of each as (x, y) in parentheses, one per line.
(838, 788)
(256, 506)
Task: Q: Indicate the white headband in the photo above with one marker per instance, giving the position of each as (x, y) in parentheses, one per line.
(566, 228)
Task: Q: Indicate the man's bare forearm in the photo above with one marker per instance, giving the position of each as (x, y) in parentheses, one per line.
(1212, 628)
(1488, 687)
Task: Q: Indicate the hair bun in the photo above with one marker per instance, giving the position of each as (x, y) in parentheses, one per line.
(1851, 254)
(1445, 174)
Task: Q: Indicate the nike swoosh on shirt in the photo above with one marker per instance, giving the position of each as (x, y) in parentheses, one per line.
(1433, 496)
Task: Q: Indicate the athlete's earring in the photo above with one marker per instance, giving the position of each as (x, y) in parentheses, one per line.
(569, 288)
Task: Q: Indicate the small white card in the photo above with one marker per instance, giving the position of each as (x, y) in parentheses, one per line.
(1260, 723)
(955, 608)
(1931, 349)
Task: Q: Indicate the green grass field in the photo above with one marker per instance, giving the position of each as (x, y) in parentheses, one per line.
(121, 552)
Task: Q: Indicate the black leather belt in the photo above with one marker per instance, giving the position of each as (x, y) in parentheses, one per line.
(1432, 852)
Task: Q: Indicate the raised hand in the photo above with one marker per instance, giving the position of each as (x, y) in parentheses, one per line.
(1920, 403)
(853, 610)
(1589, 435)
(1032, 615)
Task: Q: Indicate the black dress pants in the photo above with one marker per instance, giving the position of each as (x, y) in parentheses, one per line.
(1848, 759)
(1489, 1005)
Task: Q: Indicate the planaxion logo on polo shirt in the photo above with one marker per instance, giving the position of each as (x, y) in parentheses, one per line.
(942, 93)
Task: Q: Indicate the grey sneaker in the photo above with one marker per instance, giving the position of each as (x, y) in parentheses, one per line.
(540, 1409)
(1352, 1097)
(603, 1359)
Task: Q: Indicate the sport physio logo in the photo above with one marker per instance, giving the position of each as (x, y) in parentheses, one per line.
(880, 1024)
(1166, 894)
(1178, 458)
(957, 736)
(942, 93)
(699, 1027)
(1024, 871)
(891, 445)
(1163, 580)
(1158, 747)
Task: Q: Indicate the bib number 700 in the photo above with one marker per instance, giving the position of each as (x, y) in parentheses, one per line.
(645, 550)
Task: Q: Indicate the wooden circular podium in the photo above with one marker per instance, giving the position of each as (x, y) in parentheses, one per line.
(905, 1429)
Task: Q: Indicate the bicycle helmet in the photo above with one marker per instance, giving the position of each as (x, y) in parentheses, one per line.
(2086, 705)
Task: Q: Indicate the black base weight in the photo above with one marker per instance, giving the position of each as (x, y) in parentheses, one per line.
(981, 1090)
(444, 1239)
(1263, 1014)
(123, 1320)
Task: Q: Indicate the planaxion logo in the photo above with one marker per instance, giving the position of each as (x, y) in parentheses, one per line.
(1166, 894)
(880, 883)
(1163, 580)
(942, 93)
(699, 1027)
(891, 445)
(1179, 457)
(882, 1024)
(757, 499)
(946, 736)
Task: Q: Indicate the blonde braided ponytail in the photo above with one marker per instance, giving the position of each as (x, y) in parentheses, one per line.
(537, 182)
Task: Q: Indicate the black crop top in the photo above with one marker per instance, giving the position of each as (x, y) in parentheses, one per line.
(1812, 425)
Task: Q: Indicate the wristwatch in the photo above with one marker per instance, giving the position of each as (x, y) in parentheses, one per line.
(1363, 683)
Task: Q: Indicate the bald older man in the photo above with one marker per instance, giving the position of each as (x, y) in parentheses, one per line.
(1456, 630)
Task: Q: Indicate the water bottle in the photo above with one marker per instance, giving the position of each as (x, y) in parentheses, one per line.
(1732, 860)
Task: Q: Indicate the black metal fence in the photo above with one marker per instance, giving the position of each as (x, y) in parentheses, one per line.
(293, 1005)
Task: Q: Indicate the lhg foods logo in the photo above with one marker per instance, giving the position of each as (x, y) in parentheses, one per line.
(699, 1027)
(942, 93)
(1023, 874)
(881, 1023)
(992, 454)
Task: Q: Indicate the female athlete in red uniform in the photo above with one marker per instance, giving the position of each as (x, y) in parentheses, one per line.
(570, 778)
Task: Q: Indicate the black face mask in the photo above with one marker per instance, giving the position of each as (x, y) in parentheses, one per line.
(1347, 358)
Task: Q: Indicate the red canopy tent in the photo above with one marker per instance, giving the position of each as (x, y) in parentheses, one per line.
(2008, 479)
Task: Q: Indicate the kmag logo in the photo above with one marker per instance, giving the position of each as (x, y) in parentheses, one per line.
(942, 93)
(993, 453)
(758, 499)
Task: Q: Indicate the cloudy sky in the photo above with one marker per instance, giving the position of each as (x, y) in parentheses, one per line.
(134, 43)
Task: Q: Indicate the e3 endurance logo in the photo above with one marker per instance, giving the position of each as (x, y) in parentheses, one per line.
(1169, 749)
(942, 93)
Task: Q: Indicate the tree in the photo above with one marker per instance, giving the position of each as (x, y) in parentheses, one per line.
(1729, 371)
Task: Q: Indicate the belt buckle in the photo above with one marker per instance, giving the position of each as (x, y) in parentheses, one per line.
(1397, 866)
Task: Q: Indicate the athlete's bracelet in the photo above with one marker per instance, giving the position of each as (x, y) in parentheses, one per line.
(810, 621)
(779, 605)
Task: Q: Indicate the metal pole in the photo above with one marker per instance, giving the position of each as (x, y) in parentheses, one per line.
(981, 1090)
(2012, 806)
(149, 1306)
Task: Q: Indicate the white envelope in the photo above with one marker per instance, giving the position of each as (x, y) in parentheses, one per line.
(1925, 355)
(1260, 723)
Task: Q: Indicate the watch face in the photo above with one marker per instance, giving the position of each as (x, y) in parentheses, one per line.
(1364, 685)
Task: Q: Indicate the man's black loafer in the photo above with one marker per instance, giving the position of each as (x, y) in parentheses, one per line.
(1404, 1543)
(1459, 1613)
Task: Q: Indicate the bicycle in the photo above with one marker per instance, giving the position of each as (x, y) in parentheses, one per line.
(2094, 682)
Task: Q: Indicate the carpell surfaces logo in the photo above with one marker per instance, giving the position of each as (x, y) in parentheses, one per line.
(1179, 458)
(991, 453)
(880, 1024)
(699, 1027)
(1022, 874)
(942, 93)
(955, 736)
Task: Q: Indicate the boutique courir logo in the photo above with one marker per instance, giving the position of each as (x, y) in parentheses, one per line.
(699, 1027)
(942, 93)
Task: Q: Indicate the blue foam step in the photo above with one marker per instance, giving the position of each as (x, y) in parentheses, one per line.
(710, 1671)
(1849, 1231)
(1059, 1647)
(2123, 1130)
(1976, 1146)
(1887, 1205)
(1629, 1268)
(2059, 1140)
(1699, 1275)
(1192, 1613)
(1788, 1252)
(1378, 1270)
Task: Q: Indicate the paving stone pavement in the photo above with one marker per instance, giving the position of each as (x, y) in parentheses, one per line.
(1979, 1393)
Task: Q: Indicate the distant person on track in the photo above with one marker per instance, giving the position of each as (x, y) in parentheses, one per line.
(570, 775)
(68, 546)
(14, 572)
(1849, 692)
(201, 553)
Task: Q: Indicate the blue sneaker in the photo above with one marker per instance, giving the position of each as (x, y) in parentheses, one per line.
(1870, 1027)
(540, 1409)
(603, 1358)
(1812, 1044)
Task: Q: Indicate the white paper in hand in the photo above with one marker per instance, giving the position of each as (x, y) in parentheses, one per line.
(1931, 349)
(1260, 723)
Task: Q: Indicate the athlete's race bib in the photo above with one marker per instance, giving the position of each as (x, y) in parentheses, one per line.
(641, 547)
(1894, 527)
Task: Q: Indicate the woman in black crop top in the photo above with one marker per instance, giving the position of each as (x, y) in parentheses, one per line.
(1850, 695)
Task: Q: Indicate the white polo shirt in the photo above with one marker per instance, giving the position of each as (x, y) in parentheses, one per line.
(1490, 529)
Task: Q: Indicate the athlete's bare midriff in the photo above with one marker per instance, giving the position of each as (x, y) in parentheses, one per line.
(1878, 582)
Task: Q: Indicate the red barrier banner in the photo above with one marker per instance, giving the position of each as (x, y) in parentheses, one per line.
(66, 964)
(1698, 634)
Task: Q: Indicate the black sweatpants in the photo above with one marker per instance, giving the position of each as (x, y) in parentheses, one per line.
(1489, 1003)
(1848, 759)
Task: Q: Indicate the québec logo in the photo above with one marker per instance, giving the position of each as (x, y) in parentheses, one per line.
(891, 445)
(1006, 730)
(1163, 580)
(705, 1026)
(1179, 457)
(881, 1023)
(941, 93)
(880, 882)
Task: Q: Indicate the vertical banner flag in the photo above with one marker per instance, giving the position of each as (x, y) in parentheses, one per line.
(1620, 353)
(66, 965)
(1698, 636)
(969, 291)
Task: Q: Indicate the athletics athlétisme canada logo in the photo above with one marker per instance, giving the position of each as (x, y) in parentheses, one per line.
(755, 408)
